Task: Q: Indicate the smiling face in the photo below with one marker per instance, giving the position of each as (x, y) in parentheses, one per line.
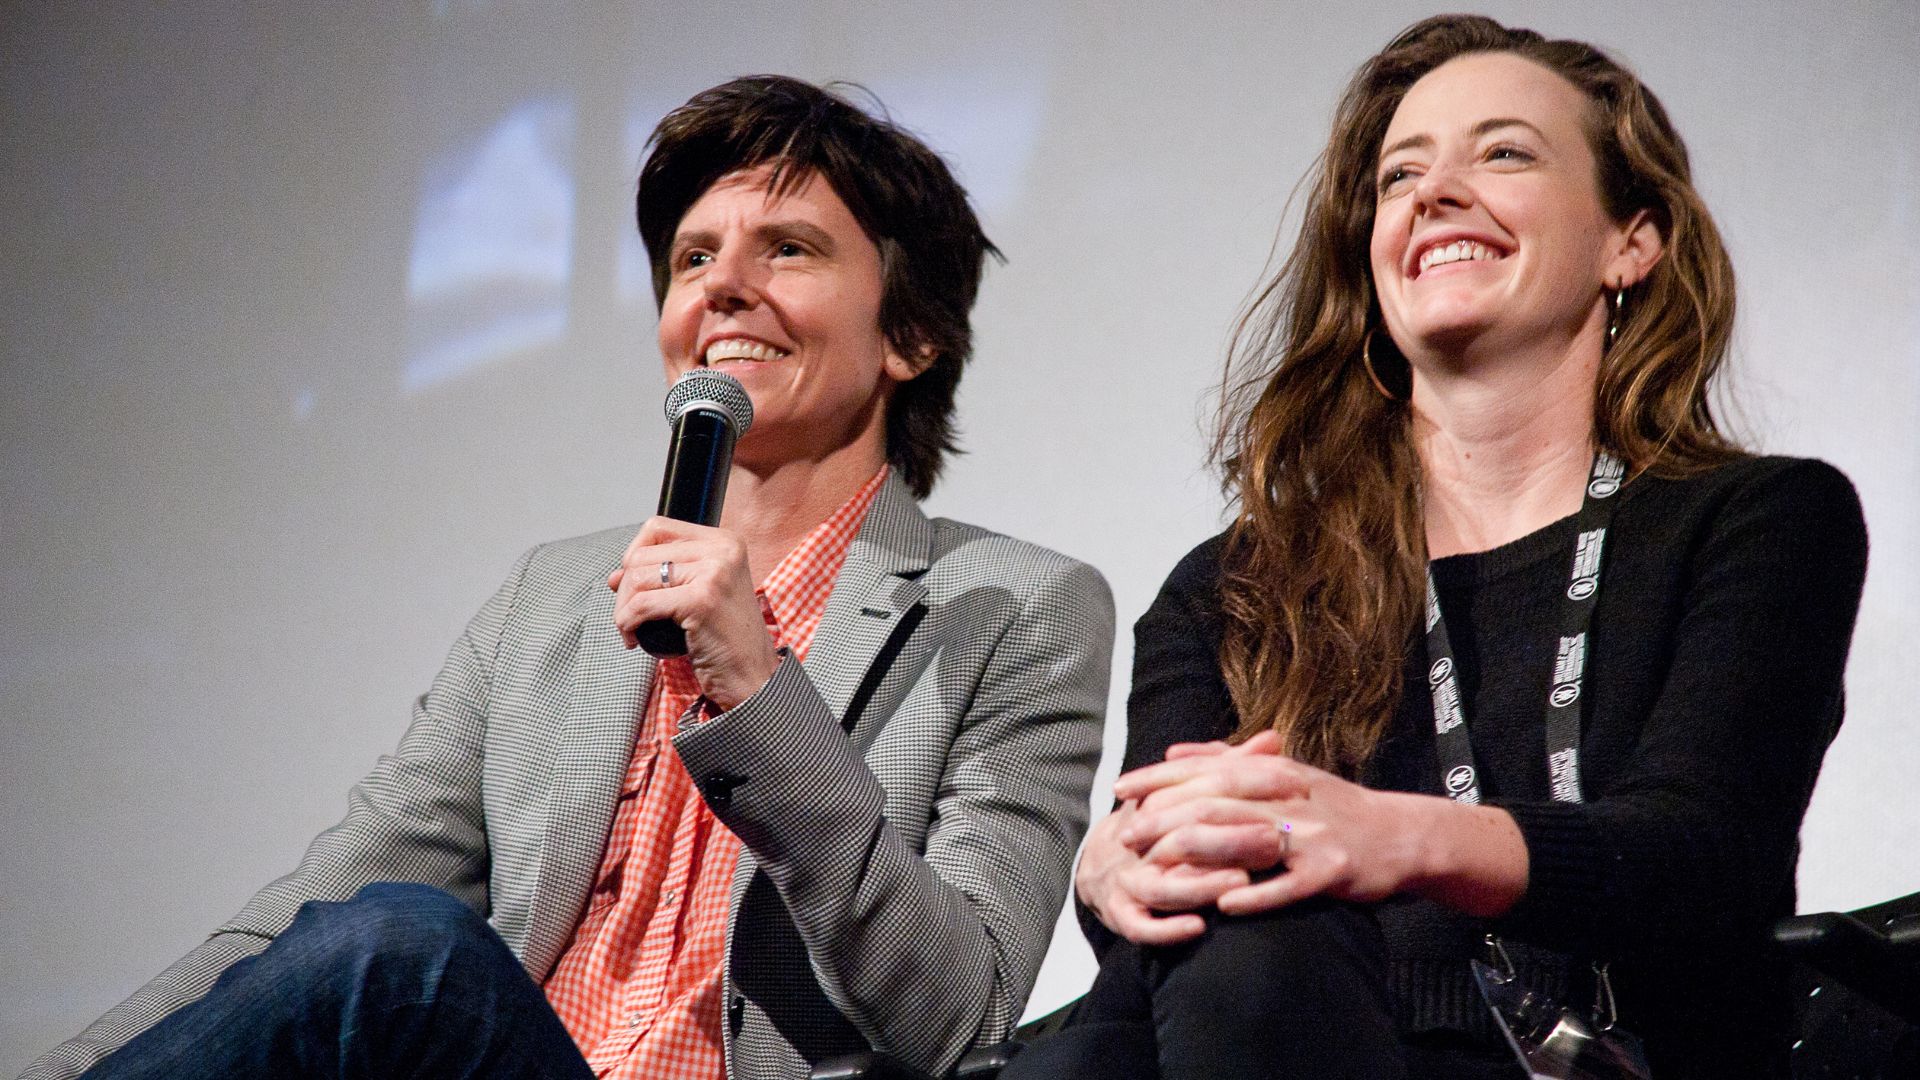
(782, 291)
(1489, 235)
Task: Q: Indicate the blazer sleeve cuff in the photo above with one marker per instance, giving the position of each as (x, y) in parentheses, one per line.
(778, 770)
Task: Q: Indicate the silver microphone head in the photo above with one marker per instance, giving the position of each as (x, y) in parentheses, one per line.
(705, 388)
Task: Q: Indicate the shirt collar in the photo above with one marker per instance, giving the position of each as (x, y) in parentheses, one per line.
(795, 592)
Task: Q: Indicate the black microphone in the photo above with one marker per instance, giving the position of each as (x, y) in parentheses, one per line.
(708, 412)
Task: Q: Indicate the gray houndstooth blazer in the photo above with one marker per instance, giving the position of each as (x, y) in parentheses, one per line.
(910, 797)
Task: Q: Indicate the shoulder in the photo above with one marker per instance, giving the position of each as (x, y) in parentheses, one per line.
(1764, 473)
(1754, 528)
(1198, 571)
(964, 557)
(984, 577)
(1798, 481)
(1192, 589)
(1803, 497)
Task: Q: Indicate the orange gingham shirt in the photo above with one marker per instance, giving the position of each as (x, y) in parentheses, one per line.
(640, 987)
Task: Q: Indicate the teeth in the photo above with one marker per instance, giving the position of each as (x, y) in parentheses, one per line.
(1458, 251)
(742, 349)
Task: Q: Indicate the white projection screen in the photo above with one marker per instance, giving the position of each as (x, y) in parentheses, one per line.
(315, 315)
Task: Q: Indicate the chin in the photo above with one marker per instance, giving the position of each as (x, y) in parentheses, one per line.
(1448, 336)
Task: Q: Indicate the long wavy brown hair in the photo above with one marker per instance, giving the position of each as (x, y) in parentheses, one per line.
(1323, 572)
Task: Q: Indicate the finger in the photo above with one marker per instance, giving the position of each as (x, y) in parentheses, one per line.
(1139, 925)
(1263, 742)
(652, 568)
(1234, 772)
(613, 579)
(1249, 846)
(646, 605)
(1180, 888)
(1257, 776)
(1147, 779)
(1307, 880)
(642, 562)
(1196, 749)
(1216, 781)
(658, 530)
(1146, 826)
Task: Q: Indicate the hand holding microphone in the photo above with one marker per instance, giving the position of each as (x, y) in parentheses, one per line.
(708, 412)
(684, 586)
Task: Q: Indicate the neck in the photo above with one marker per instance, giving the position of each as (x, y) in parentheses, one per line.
(773, 507)
(1504, 451)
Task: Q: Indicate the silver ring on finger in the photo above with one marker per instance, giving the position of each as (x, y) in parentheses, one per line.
(666, 573)
(1286, 839)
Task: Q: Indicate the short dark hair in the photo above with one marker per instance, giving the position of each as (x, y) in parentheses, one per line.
(932, 249)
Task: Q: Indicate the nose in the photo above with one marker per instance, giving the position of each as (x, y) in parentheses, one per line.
(730, 281)
(1442, 186)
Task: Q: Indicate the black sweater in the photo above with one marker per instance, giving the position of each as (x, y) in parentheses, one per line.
(1713, 688)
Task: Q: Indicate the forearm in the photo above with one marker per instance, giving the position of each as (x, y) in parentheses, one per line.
(870, 908)
(1469, 858)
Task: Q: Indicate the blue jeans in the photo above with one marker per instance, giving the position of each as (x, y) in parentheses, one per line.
(402, 980)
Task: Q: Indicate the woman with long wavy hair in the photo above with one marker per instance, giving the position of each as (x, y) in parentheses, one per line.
(1509, 653)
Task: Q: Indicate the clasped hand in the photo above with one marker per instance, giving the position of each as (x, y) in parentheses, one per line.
(1244, 829)
(707, 589)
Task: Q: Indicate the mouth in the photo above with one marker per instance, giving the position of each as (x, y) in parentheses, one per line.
(739, 350)
(1448, 252)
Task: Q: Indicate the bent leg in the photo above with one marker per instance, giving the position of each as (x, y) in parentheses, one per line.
(1299, 992)
(1296, 993)
(402, 980)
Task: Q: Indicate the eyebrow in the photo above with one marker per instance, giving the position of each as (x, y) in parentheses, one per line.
(1415, 142)
(797, 228)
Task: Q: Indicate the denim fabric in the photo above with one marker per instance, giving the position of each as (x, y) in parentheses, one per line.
(401, 981)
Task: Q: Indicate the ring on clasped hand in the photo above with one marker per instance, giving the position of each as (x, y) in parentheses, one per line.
(1286, 839)
(666, 573)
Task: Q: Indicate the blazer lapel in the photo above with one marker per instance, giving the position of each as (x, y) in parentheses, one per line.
(878, 586)
(609, 692)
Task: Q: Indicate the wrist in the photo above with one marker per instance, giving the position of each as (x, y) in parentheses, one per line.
(1471, 858)
(728, 694)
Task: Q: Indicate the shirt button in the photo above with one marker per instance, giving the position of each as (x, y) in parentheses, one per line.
(667, 896)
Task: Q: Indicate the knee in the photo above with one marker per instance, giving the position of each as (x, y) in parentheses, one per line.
(401, 904)
(388, 924)
(1303, 944)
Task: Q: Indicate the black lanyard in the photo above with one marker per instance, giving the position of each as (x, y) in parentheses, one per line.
(1454, 745)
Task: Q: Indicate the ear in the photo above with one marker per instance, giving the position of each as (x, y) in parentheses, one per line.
(906, 368)
(1638, 246)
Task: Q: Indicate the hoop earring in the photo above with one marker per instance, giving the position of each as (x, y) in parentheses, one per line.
(1366, 361)
(1618, 316)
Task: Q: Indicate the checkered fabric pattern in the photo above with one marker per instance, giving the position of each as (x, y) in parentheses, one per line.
(910, 797)
(641, 987)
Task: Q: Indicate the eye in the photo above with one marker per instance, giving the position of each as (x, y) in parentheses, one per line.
(1393, 176)
(1508, 152)
(788, 249)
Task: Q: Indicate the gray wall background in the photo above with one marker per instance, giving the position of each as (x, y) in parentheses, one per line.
(315, 315)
